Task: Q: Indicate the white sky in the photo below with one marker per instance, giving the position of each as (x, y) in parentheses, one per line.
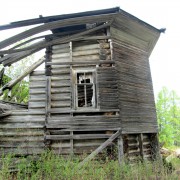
(164, 61)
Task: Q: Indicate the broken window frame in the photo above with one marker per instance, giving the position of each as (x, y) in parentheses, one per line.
(93, 83)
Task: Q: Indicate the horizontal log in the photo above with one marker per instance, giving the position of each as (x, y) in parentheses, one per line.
(22, 125)
(57, 104)
(21, 151)
(60, 46)
(60, 90)
(23, 119)
(37, 91)
(83, 47)
(82, 110)
(59, 78)
(77, 129)
(59, 72)
(21, 132)
(63, 59)
(61, 83)
(59, 51)
(81, 136)
(60, 55)
(84, 62)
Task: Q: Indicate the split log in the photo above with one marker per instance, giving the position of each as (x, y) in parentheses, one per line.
(28, 71)
(100, 148)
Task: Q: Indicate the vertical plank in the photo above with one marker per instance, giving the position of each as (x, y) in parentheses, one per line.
(120, 149)
(72, 143)
(111, 48)
(140, 138)
(71, 75)
(48, 97)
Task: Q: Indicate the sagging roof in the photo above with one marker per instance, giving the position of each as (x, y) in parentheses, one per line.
(75, 24)
(47, 19)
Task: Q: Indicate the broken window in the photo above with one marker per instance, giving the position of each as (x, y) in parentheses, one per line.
(85, 89)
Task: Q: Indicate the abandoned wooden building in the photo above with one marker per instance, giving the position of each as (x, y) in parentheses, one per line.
(95, 90)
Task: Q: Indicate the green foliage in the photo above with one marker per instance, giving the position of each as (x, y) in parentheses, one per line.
(20, 92)
(168, 115)
(51, 167)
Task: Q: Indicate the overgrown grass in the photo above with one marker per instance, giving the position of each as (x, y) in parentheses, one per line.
(52, 167)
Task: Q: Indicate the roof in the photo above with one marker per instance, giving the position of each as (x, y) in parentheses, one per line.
(75, 24)
(47, 19)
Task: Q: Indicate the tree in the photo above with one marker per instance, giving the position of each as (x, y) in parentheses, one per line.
(168, 115)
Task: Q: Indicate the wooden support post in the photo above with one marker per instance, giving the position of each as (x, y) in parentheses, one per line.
(120, 149)
(140, 138)
(72, 143)
(155, 146)
(10, 84)
(48, 97)
(100, 148)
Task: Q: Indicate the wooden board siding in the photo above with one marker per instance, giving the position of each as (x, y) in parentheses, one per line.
(136, 98)
(107, 87)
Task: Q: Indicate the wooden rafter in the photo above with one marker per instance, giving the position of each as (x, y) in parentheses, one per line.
(56, 24)
(43, 44)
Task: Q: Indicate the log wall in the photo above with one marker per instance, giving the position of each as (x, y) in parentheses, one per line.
(72, 130)
(22, 133)
(124, 100)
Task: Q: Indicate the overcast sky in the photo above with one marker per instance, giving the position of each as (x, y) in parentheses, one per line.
(165, 59)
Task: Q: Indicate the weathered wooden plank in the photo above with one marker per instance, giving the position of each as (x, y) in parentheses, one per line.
(57, 104)
(99, 149)
(53, 25)
(21, 151)
(21, 132)
(80, 136)
(23, 139)
(23, 119)
(82, 47)
(22, 125)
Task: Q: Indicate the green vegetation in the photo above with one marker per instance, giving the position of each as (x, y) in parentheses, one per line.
(168, 114)
(50, 166)
(20, 92)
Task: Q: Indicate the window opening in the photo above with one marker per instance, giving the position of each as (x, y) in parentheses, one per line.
(85, 89)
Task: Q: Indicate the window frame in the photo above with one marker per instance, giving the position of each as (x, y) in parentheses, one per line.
(94, 96)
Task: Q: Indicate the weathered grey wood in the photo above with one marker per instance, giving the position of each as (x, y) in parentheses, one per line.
(140, 138)
(81, 62)
(55, 41)
(120, 149)
(28, 71)
(55, 24)
(87, 47)
(100, 148)
(81, 136)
